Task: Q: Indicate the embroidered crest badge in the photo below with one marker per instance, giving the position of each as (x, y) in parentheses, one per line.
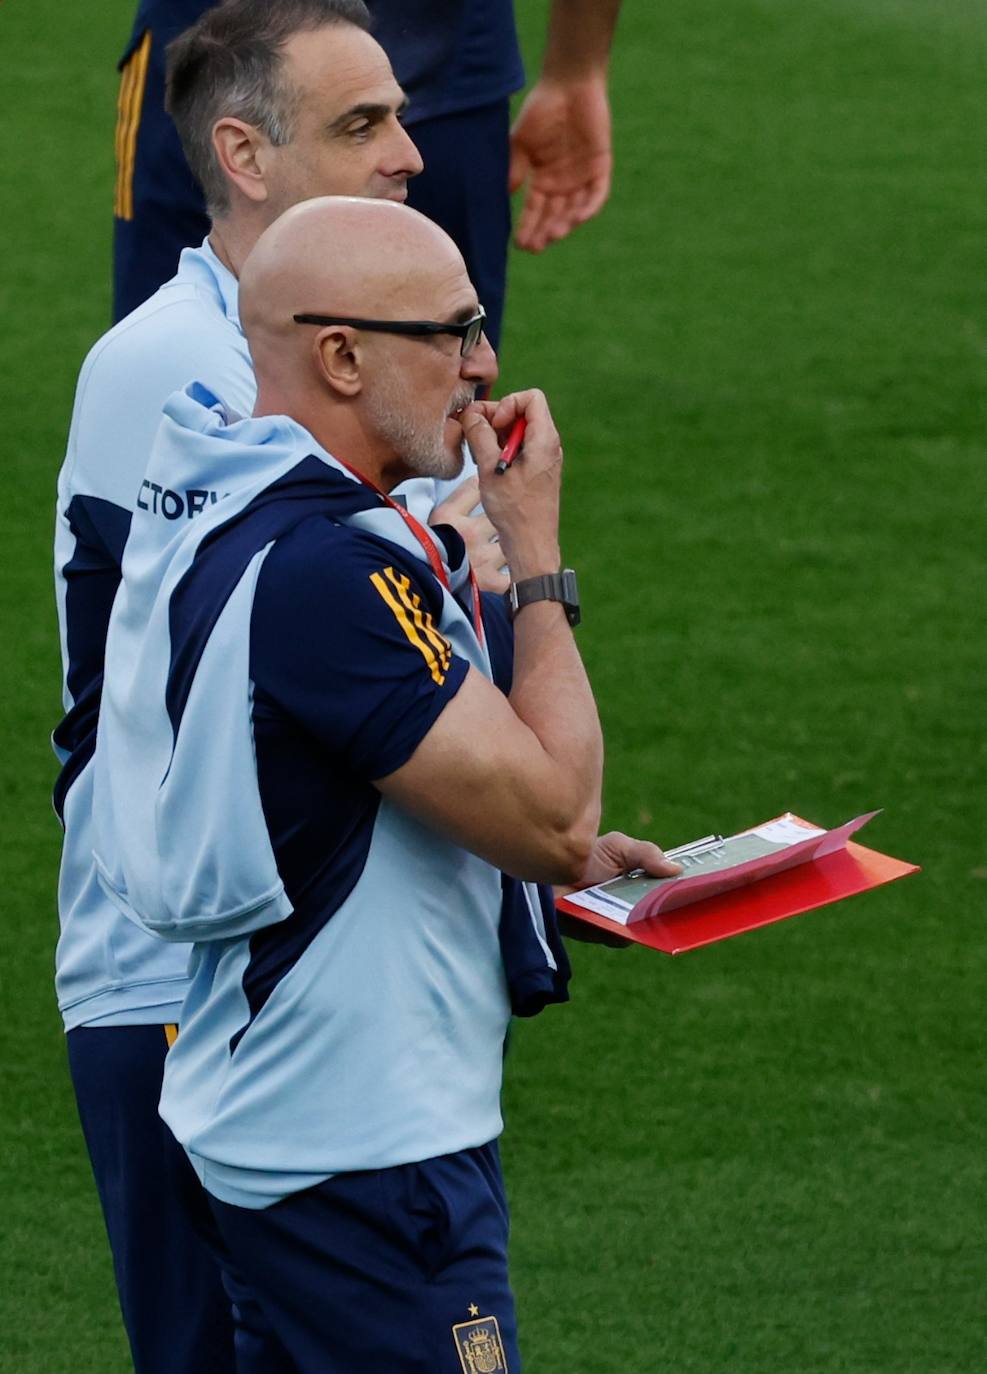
(480, 1348)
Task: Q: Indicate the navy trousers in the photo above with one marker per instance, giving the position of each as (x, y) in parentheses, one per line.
(402, 1270)
(177, 1313)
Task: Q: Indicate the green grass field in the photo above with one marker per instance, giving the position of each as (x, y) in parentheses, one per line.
(768, 360)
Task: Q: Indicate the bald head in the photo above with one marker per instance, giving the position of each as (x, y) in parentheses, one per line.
(363, 259)
(341, 255)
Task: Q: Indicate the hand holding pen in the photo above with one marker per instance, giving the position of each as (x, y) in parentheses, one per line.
(525, 509)
(512, 447)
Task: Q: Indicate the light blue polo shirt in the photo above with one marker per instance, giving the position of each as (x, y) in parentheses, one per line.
(107, 970)
(355, 971)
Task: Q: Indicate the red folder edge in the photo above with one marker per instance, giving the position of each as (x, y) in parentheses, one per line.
(810, 885)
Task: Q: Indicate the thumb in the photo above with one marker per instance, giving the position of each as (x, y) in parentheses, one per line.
(644, 854)
(630, 853)
(518, 171)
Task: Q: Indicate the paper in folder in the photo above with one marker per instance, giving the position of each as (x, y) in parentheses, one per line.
(728, 885)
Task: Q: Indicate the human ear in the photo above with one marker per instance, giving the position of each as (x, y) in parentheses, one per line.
(340, 360)
(240, 151)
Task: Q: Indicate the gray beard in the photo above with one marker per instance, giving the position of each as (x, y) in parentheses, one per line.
(424, 451)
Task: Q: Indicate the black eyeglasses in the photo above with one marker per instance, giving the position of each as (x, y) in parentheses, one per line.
(468, 333)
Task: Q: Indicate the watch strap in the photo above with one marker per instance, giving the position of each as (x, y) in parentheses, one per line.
(558, 586)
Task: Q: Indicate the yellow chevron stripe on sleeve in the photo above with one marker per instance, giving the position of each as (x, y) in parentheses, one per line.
(421, 619)
(133, 80)
(123, 108)
(124, 104)
(436, 666)
(126, 81)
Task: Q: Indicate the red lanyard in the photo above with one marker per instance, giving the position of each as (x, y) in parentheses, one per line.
(428, 544)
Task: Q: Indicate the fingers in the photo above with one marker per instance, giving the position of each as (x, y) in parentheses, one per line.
(485, 425)
(486, 408)
(643, 854)
(459, 503)
(478, 534)
(626, 853)
(477, 531)
(550, 219)
(480, 436)
(490, 577)
(548, 222)
(531, 404)
(595, 196)
(529, 234)
(485, 554)
(546, 219)
(517, 172)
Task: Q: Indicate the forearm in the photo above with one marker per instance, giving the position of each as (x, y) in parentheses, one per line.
(551, 695)
(580, 34)
(516, 780)
(525, 790)
(485, 778)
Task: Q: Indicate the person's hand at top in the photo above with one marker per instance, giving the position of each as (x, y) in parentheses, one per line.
(560, 152)
(560, 142)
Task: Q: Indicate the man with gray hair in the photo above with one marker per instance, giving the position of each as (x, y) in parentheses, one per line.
(276, 103)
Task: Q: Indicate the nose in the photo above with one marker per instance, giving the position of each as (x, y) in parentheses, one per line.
(481, 365)
(403, 158)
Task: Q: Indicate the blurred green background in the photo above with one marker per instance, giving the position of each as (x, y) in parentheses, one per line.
(768, 361)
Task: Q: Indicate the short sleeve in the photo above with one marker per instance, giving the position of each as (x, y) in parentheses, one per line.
(344, 642)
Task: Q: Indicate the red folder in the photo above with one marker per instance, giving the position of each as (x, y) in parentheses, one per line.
(842, 874)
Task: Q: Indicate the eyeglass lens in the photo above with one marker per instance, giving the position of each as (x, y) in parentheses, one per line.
(472, 337)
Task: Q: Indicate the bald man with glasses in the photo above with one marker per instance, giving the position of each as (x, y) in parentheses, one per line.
(349, 776)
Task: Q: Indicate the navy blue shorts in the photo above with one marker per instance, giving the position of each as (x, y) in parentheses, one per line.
(175, 1309)
(402, 1270)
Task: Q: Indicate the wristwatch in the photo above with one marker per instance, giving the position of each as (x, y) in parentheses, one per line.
(559, 586)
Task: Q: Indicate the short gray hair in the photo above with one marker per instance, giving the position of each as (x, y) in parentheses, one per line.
(229, 64)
